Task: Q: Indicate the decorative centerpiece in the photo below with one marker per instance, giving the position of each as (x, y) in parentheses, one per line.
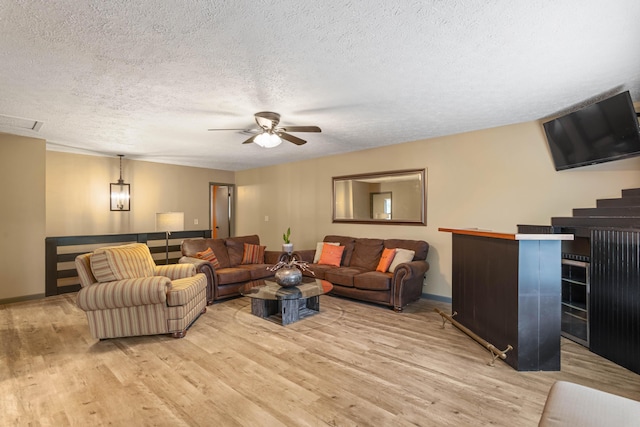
(287, 246)
(289, 273)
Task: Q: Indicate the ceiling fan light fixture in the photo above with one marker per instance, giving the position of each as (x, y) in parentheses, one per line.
(268, 140)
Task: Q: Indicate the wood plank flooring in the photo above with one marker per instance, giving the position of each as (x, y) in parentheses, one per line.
(353, 364)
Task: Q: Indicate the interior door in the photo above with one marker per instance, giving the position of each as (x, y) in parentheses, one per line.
(221, 197)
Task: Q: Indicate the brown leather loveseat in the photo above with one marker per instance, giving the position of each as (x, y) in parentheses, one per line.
(356, 275)
(225, 280)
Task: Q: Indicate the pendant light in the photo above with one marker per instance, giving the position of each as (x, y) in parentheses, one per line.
(120, 192)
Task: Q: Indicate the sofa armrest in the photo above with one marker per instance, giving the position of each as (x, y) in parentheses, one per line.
(124, 293)
(411, 269)
(175, 271)
(408, 279)
(205, 267)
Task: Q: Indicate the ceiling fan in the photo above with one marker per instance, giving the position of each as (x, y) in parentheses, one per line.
(270, 134)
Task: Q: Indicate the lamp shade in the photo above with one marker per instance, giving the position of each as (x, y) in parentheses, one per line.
(170, 221)
(268, 140)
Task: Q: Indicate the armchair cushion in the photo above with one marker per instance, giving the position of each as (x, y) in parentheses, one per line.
(122, 262)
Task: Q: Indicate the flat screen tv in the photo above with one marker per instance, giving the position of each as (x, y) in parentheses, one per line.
(605, 131)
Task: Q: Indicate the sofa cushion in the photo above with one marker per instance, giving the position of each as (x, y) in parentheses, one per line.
(331, 255)
(347, 242)
(257, 271)
(122, 262)
(401, 256)
(343, 275)
(366, 253)
(190, 248)
(209, 255)
(233, 275)
(373, 281)
(235, 248)
(319, 246)
(252, 254)
(385, 260)
(319, 270)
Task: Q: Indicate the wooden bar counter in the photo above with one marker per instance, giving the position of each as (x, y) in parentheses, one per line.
(506, 288)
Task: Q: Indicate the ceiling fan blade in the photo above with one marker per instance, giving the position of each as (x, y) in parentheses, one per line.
(291, 138)
(300, 129)
(250, 140)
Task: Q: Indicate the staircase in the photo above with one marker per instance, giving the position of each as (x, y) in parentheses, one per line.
(623, 212)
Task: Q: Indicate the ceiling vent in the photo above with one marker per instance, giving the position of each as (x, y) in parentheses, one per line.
(19, 123)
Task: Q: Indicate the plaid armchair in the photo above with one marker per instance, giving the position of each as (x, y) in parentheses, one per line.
(125, 294)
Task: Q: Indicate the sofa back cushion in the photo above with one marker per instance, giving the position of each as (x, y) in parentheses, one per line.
(366, 253)
(122, 262)
(253, 254)
(191, 247)
(235, 248)
(420, 247)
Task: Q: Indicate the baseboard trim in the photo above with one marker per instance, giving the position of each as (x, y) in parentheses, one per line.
(437, 297)
(21, 299)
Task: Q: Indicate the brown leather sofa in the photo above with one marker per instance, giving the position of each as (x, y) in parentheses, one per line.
(357, 278)
(226, 281)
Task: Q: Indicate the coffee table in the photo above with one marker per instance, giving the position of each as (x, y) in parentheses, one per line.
(285, 305)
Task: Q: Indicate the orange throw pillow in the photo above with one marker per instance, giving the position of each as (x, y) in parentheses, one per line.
(331, 255)
(385, 260)
(253, 254)
(208, 255)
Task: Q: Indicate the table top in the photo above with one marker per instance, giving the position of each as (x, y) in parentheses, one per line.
(506, 236)
(268, 289)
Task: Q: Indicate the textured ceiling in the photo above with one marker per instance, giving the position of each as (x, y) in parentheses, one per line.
(148, 78)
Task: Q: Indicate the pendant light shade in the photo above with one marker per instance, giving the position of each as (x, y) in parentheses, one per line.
(268, 140)
(120, 193)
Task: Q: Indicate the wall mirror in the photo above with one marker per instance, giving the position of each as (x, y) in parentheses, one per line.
(396, 197)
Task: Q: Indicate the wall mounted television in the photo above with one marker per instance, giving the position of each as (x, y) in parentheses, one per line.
(605, 131)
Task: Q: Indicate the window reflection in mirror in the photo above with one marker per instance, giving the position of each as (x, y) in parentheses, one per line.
(396, 197)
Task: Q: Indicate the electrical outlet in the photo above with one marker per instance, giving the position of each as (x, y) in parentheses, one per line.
(195, 221)
(266, 218)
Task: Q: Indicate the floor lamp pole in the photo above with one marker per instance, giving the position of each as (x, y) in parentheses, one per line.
(166, 262)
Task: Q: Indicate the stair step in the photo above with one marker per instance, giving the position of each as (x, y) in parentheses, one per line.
(608, 211)
(612, 203)
(626, 222)
(631, 192)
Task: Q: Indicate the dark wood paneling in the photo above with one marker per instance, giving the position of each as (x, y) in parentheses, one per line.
(54, 259)
(615, 296)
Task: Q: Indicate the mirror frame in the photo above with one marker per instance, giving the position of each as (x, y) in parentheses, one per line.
(369, 176)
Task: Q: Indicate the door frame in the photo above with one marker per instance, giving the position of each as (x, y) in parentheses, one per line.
(232, 206)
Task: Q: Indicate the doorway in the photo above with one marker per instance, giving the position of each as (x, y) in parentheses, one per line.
(221, 196)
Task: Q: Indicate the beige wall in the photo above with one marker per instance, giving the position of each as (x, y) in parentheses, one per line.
(78, 194)
(22, 216)
(491, 179)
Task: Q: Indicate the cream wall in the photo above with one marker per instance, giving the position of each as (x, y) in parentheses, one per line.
(22, 217)
(491, 179)
(77, 194)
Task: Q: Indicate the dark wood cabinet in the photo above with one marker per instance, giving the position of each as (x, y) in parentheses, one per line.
(506, 289)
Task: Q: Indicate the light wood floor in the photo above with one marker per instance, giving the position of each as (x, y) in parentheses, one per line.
(353, 364)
